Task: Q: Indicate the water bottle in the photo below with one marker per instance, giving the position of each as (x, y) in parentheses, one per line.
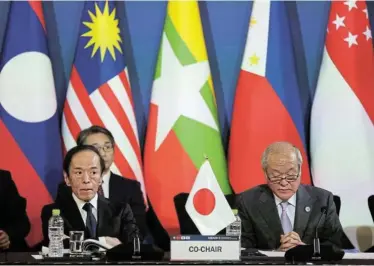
(235, 228)
(55, 234)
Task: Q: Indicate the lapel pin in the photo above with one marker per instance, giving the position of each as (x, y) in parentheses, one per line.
(307, 209)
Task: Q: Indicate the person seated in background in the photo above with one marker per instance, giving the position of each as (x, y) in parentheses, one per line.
(114, 187)
(283, 213)
(85, 210)
(14, 223)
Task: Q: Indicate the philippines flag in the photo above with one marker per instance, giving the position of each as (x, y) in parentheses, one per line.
(342, 130)
(29, 128)
(267, 105)
(99, 91)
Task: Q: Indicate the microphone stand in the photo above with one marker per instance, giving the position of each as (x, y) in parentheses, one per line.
(316, 242)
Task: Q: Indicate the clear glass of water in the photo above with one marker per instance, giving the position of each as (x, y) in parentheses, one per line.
(76, 241)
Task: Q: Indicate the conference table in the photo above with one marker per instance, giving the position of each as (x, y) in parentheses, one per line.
(24, 258)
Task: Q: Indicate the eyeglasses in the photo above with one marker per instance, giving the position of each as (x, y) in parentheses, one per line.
(105, 148)
(277, 179)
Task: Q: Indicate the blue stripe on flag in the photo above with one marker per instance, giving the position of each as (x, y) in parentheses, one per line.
(280, 68)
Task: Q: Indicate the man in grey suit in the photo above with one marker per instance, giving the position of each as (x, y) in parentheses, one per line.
(283, 213)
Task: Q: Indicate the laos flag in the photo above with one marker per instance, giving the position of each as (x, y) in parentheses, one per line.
(29, 128)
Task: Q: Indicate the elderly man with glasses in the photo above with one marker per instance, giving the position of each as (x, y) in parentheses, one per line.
(283, 213)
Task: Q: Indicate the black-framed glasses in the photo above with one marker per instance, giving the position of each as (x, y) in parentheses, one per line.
(105, 148)
(278, 178)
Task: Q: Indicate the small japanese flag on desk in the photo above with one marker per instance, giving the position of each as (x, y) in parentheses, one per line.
(206, 204)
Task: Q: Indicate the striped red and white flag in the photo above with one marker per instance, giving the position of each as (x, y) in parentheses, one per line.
(99, 91)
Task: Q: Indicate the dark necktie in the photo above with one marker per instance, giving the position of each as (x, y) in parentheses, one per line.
(90, 221)
(100, 191)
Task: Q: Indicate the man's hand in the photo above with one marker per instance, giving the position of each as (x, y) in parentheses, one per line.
(290, 240)
(112, 241)
(4, 240)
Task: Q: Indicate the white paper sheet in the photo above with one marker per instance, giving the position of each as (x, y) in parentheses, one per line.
(358, 256)
(272, 253)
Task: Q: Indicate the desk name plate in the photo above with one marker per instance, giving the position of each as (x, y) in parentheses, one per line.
(196, 247)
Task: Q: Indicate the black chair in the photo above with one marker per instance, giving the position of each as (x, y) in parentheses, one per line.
(371, 209)
(187, 226)
(346, 243)
(338, 203)
(371, 205)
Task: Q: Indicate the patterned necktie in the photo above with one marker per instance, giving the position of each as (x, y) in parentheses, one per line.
(90, 221)
(285, 220)
(100, 191)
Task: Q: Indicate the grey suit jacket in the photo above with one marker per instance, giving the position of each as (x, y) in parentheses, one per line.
(261, 226)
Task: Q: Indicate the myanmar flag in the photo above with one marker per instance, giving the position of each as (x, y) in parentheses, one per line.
(183, 123)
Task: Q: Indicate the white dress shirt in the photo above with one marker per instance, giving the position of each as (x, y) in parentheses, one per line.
(81, 203)
(291, 209)
(105, 184)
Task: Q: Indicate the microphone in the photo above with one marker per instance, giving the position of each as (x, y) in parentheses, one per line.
(316, 242)
(315, 252)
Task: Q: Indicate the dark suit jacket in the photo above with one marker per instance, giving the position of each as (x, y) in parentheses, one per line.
(113, 219)
(121, 190)
(13, 216)
(261, 226)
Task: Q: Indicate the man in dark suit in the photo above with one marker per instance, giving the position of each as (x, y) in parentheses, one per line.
(14, 223)
(114, 187)
(282, 213)
(84, 209)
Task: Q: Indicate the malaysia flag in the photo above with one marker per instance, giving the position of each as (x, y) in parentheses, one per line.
(99, 92)
(342, 130)
(29, 127)
(267, 105)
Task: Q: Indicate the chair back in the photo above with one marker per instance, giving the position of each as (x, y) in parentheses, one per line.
(337, 204)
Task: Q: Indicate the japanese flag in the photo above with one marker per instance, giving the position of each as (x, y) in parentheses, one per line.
(207, 205)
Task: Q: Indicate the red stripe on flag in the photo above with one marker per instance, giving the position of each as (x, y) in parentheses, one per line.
(89, 108)
(71, 122)
(84, 98)
(38, 9)
(259, 119)
(126, 85)
(27, 181)
(117, 110)
(122, 164)
(168, 172)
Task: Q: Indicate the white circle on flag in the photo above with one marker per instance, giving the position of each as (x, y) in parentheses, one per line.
(27, 90)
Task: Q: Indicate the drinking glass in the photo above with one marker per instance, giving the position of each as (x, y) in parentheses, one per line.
(76, 241)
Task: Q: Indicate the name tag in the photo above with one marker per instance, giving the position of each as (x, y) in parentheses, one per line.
(195, 247)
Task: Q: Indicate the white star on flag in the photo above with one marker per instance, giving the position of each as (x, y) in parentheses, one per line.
(367, 33)
(351, 4)
(351, 39)
(366, 12)
(339, 21)
(177, 92)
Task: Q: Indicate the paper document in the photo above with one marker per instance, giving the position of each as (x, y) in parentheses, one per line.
(272, 253)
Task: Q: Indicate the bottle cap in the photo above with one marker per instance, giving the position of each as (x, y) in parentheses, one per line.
(55, 212)
(235, 211)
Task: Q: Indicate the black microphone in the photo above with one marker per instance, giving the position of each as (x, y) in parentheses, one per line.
(316, 242)
(315, 252)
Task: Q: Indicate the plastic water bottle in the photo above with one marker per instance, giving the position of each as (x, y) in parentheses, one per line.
(55, 234)
(235, 228)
